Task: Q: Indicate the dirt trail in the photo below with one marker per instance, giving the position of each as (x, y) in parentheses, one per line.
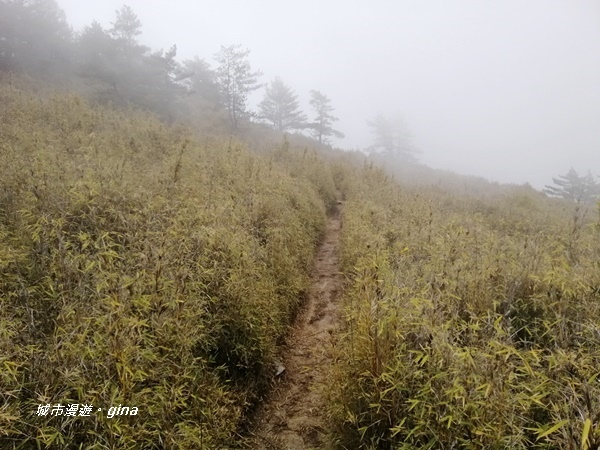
(294, 417)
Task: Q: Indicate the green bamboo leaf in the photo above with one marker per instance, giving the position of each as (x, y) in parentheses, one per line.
(552, 429)
(585, 440)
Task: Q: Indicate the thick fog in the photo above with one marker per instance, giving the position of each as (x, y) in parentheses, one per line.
(505, 89)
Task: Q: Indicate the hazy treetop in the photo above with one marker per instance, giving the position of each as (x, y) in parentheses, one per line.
(504, 88)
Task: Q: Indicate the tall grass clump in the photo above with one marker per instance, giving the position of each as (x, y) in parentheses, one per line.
(467, 323)
(145, 267)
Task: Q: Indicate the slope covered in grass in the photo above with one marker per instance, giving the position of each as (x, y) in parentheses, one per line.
(469, 323)
(145, 267)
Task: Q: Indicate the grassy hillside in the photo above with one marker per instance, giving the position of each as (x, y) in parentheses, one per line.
(152, 266)
(469, 323)
(145, 267)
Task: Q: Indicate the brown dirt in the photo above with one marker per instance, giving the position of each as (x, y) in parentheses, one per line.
(294, 417)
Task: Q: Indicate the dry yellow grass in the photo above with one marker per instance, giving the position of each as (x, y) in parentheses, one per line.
(143, 266)
(469, 324)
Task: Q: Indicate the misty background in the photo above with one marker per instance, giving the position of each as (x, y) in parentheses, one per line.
(507, 90)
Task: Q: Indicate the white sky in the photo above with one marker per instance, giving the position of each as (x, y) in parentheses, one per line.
(505, 89)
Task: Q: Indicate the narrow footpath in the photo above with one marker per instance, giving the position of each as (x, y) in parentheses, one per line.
(294, 418)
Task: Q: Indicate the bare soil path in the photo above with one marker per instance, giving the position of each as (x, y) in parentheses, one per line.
(294, 418)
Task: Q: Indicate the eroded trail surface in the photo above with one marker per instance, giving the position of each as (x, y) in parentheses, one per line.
(294, 417)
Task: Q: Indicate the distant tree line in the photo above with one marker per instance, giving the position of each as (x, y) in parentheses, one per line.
(128, 72)
(113, 66)
(34, 36)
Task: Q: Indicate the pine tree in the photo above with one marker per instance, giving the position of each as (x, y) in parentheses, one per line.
(34, 37)
(236, 80)
(572, 186)
(96, 52)
(322, 128)
(128, 71)
(392, 139)
(126, 27)
(199, 79)
(280, 107)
